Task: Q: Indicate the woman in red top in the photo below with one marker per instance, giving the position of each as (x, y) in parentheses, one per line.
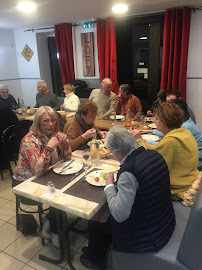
(43, 146)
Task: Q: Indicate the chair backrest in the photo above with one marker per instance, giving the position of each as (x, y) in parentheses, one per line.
(11, 138)
(190, 251)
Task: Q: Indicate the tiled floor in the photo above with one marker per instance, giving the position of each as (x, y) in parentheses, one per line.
(22, 252)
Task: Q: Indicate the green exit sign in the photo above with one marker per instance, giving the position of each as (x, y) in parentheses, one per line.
(88, 25)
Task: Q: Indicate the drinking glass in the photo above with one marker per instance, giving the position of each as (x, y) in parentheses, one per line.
(141, 116)
(51, 186)
(86, 155)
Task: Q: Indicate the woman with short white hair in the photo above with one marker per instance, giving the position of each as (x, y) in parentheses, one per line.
(71, 101)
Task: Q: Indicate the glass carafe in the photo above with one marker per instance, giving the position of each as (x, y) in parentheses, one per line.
(95, 153)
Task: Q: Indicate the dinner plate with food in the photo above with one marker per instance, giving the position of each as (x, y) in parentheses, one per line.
(118, 117)
(97, 178)
(149, 119)
(67, 167)
(150, 137)
(152, 125)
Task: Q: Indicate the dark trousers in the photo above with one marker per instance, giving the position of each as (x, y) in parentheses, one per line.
(99, 241)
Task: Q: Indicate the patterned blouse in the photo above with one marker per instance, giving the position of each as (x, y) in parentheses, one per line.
(34, 159)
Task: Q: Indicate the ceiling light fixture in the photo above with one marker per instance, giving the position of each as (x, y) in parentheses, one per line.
(143, 38)
(121, 8)
(26, 6)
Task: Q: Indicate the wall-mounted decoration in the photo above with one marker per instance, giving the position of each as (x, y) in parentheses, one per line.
(27, 53)
(88, 54)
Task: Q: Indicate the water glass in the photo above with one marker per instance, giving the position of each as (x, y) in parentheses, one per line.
(51, 186)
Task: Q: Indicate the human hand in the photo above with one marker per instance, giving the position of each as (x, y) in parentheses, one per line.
(61, 137)
(109, 178)
(136, 134)
(53, 142)
(62, 106)
(89, 133)
(103, 134)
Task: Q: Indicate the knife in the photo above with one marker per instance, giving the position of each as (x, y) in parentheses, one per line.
(65, 167)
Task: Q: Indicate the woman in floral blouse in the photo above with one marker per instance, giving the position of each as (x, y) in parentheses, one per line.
(43, 146)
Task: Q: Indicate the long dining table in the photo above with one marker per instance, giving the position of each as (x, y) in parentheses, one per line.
(73, 194)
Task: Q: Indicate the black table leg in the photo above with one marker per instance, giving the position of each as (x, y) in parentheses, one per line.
(63, 234)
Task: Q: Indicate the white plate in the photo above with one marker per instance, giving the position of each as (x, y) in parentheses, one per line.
(152, 125)
(90, 178)
(149, 119)
(73, 168)
(150, 137)
(118, 117)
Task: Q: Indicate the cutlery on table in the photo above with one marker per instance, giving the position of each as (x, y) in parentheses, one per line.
(65, 167)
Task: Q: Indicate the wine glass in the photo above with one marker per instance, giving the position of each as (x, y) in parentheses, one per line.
(86, 155)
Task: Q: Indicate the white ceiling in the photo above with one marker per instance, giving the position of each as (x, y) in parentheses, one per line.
(51, 12)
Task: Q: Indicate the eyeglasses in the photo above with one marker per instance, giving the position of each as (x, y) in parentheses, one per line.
(47, 121)
(91, 117)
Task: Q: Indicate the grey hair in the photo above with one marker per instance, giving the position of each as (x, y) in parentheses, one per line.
(36, 128)
(3, 86)
(42, 83)
(120, 139)
(106, 80)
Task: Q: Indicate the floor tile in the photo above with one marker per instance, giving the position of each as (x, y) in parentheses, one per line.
(27, 267)
(8, 235)
(3, 201)
(2, 222)
(50, 251)
(25, 248)
(4, 185)
(9, 263)
(7, 211)
(76, 240)
(7, 193)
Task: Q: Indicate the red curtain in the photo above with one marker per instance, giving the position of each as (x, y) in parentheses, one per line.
(107, 58)
(175, 49)
(63, 37)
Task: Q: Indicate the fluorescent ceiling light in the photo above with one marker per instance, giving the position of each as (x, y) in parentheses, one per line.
(121, 8)
(26, 6)
(143, 38)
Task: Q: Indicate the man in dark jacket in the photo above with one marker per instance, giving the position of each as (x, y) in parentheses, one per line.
(142, 215)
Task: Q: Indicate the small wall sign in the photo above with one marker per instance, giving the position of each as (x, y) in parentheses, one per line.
(27, 53)
(88, 54)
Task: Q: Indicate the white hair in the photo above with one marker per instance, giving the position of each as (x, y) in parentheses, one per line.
(106, 80)
(42, 83)
(120, 139)
(3, 86)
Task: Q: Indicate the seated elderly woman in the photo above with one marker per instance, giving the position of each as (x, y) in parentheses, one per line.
(178, 147)
(187, 123)
(81, 128)
(137, 211)
(71, 101)
(43, 146)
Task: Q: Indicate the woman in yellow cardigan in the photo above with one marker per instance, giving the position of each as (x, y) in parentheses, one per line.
(178, 147)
